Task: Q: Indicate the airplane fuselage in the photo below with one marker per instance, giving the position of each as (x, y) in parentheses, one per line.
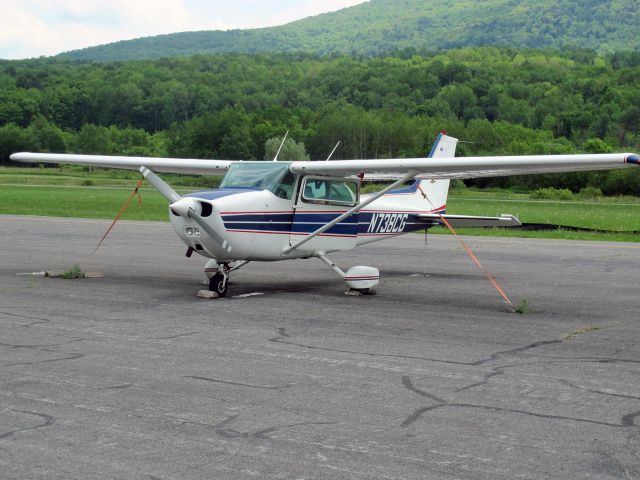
(259, 224)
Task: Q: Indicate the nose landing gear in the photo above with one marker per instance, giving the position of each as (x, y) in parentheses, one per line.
(218, 274)
(218, 284)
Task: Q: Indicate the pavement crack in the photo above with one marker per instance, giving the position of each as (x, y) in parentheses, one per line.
(421, 411)
(48, 420)
(262, 433)
(38, 320)
(226, 421)
(42, 347)
(114, 387)
(629, 419)
(599, 360)
(416, 415)
(177, 336)
(35, 362)
(406, 381)
(248, 385)
(610, 394)
(282, 338)
(515, 351)
(487, 377)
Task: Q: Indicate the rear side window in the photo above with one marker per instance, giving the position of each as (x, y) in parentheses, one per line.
(330, 192)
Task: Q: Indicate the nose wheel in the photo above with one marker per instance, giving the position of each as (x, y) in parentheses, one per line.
(218, 274)
(218, 284)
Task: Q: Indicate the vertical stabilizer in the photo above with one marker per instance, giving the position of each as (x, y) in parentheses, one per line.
(444, 147)
(438, 190)
(426, 194)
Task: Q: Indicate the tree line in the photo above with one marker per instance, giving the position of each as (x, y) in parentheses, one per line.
(500, 101)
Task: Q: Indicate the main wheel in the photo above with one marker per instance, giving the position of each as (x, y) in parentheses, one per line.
(217, 284)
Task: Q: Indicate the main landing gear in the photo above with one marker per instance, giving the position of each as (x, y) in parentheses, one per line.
(218, 274)
(360, 280)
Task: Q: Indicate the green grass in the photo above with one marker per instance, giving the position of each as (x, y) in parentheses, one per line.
(73, 273)
(523, 307)
(60, 193)
(599, 215)
(619, 214)
(81, 202)
(554, 235)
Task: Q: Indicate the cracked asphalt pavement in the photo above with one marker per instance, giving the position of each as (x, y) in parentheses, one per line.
(132, 376)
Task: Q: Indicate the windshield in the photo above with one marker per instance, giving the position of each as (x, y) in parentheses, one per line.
(272, 176)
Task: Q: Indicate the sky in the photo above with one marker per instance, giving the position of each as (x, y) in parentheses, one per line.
(34, 28)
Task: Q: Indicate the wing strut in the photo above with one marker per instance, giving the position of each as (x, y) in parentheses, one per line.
(348, 213)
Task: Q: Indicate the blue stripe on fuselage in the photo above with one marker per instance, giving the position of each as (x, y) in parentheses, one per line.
(286, 222)
(383, 223)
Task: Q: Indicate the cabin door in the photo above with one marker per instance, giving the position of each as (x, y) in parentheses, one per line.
(319, 201)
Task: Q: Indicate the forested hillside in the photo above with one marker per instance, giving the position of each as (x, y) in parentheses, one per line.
(380, 26)
(503, 101)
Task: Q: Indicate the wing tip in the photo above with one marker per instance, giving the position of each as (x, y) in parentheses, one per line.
(635, 159)
(19, 156)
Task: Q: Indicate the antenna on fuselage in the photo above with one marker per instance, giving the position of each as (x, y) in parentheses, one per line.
(275, 159)
(333, 151)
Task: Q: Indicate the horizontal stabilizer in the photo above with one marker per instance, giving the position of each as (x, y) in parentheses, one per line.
(467, 221)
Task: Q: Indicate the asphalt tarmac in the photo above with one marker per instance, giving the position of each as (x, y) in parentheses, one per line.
(131, 376)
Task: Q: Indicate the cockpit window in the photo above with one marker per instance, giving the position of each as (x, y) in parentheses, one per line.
(330, 191)
(272, 176)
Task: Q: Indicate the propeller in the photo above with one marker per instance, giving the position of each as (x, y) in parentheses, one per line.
(184, 207)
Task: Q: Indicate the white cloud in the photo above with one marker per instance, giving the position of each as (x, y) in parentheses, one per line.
(47, 27)
(31, 28)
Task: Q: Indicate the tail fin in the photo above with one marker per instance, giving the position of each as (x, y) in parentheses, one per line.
(444, 147)
(427, 194)
(437, 191)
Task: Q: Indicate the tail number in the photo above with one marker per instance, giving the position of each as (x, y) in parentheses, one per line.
(388, 222)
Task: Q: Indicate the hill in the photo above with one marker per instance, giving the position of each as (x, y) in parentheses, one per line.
(380, 26)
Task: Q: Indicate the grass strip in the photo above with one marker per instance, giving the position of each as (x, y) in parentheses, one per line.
(104, 203)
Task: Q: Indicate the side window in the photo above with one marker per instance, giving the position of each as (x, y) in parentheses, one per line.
(330, 192)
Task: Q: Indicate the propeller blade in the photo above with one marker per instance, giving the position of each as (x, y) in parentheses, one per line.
(162, 186)
(184, 207)
(208, 229)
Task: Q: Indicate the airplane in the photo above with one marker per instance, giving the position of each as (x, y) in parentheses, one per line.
(266, 211)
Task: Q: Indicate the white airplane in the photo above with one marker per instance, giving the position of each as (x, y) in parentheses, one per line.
(271, 211)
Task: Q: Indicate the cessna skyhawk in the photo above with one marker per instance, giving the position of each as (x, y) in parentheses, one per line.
(273, 211)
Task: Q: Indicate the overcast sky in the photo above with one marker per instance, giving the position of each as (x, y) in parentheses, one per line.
(31, 28)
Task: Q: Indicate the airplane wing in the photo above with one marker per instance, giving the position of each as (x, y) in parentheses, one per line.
(436, 168)
(468, 167)
(169, 165)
